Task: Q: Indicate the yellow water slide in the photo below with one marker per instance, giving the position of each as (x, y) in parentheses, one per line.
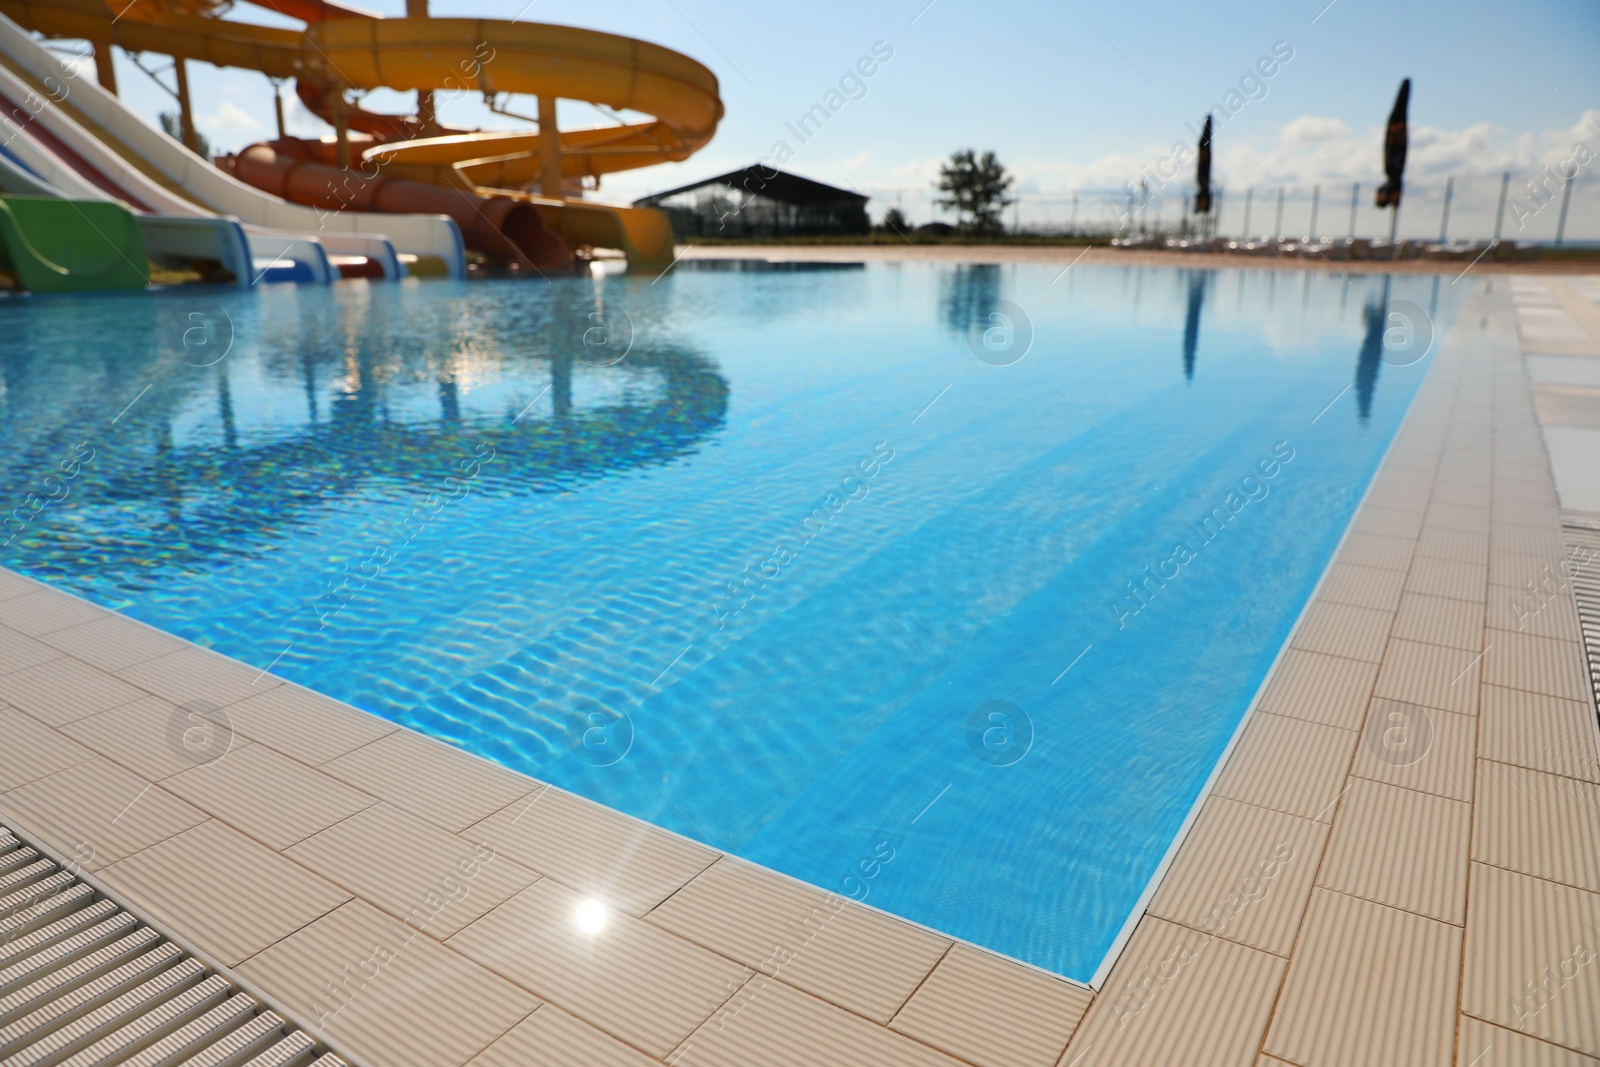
(343, 51)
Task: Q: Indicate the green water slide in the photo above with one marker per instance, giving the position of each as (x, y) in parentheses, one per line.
(70, 246)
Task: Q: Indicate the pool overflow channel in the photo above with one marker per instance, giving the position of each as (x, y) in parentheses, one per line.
(86, 982)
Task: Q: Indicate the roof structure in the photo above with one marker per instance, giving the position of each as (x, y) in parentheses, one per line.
(768, 182)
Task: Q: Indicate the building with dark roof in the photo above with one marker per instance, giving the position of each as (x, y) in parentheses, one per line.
(760, 201)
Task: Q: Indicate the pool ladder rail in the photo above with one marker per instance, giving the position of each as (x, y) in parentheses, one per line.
(86, 983)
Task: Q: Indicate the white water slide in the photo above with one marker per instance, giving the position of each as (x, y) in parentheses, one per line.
(57, 116)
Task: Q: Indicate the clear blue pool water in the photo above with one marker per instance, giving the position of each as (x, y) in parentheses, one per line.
(806, 564)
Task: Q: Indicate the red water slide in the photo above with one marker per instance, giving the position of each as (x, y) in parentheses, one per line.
(501, 228)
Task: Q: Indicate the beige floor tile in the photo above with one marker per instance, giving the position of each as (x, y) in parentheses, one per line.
(268, 796)
(993, 1012)
(1363, 587)
(13, 584)
(1430, 675)
(1447, 578)
(630, 864)
(228, 895)
(1539, 732)
(155, 738)
(1525, 937)
(30, 750)
(1343, 630)
(46, 610)
(629, 978)
(19, 651)
(113, 643)
(1520, 511)
(1317, 688)
(1374, 550)
(98, 811)
(1418, 478)
(1243, 873)
(1461, 493)
(1288, 765)
(429, 778)
(1560, 345)
(1539, 824)
(1482, 1045)
(1418, 454)
(198, 674)
(412, 869)
(1440, 621)
(1176, 996)
(1542, 540)
(1368, 984)
(1440, 542)
(306, 725)
(1421, 749)
(1395, 497)
(860, 959)
(1546, 612)
(1401, 848)
(552, 1038)
(61, 690)
(769, 1022)
(1387, 522)
(1457, 517)
(387, 993)
(1536, 664)
(1518, 568)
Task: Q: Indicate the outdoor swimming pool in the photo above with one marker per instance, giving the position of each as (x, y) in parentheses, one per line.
(941, 588)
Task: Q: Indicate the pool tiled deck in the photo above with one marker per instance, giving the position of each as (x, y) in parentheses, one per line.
(1346, 896)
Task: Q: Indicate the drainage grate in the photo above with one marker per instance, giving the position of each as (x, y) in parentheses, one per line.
(1583, 571)
(85, 983)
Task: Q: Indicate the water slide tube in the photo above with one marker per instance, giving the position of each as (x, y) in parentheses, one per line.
(74, 164)
(117, 140)
(65, 246)
(171, 241)
(344, 49)
(459, 162)
(36, 159)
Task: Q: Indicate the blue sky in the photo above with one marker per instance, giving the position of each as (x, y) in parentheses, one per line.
(1073, 94)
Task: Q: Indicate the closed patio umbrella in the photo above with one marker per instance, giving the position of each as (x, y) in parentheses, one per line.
(1394, 157)
(1202, 198)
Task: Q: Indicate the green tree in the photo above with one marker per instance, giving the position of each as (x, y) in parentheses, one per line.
(895, 221)
(172, 125)
(975, 188)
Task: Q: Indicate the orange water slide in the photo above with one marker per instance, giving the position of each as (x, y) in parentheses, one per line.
(485, 180)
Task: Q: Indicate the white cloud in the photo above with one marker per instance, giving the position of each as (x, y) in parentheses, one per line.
(856, 162)
(1310, 149)
(1310, 129)
(1314, 149)
(231, 118)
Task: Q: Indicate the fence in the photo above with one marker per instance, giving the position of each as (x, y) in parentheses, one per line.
(1460, 207)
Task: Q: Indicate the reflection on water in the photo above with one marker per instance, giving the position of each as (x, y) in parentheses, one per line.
(765, 266)
(212, 462)
(1374, 314)
(1191, 320)
(971, 294)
